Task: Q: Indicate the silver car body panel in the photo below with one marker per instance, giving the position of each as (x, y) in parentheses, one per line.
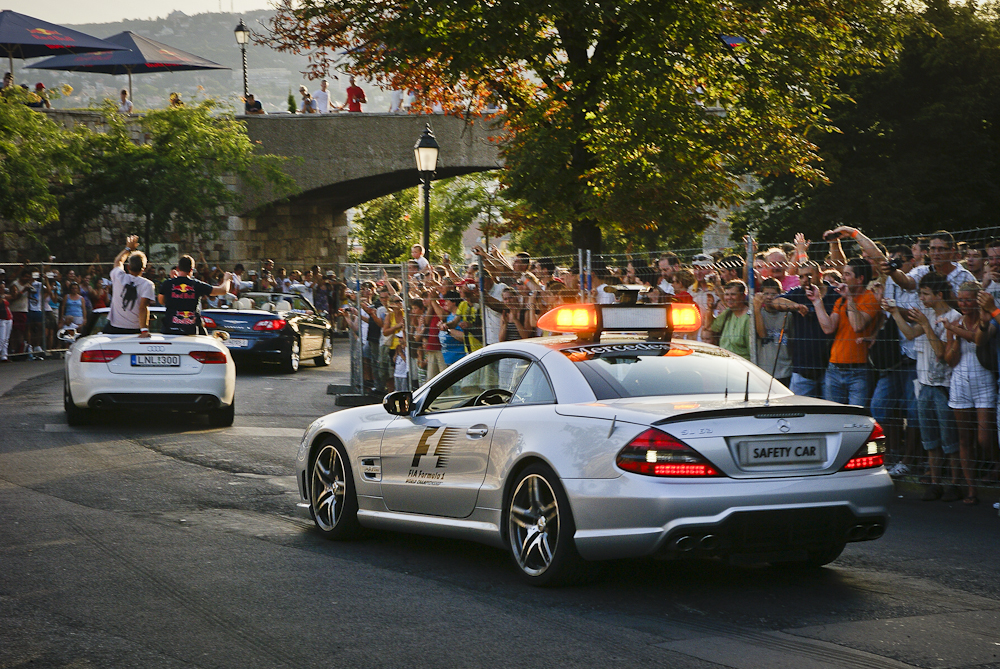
(617, 513)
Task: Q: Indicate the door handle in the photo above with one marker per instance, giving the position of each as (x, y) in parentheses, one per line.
(477, 431)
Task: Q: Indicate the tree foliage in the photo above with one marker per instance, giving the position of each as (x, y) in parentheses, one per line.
(619, 117)
(386, 228)
(35, 156)
(175, 179)
(919, 141)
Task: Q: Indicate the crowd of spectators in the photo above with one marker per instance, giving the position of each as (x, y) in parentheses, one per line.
(894, 329)
(909, 331)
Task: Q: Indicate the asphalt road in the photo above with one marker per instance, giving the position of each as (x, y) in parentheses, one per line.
(155, 541)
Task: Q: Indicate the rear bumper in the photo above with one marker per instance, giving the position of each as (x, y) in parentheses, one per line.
(633, 515)
(171, 401)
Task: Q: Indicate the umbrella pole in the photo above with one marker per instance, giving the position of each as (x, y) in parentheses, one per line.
(130, 97)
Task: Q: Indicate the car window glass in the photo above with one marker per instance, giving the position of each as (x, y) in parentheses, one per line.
(534, 388)
(677, 371)
(499, 376)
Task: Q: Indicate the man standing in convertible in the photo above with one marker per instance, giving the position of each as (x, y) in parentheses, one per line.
(181, 295)
(131, 293)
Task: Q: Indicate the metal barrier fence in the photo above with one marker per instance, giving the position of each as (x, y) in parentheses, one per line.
(893, 375)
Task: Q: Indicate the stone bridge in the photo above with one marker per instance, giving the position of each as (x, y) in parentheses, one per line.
(340, 161)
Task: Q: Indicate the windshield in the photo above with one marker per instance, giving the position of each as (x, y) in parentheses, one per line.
(644, 370)
(100, 319)
(281, 302)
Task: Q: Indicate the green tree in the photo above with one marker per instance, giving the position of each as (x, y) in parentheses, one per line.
(174, 179)
(919, 144)
(36, 157)
(618, 117)
(386, 227)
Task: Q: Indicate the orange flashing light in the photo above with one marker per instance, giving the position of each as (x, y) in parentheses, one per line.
(685, 317)
(570, 318)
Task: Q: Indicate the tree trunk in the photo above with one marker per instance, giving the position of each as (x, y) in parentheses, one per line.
(587, 235)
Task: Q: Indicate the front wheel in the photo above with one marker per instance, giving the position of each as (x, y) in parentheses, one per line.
(326, 354)
(290, 365)
(331, 494)
(540, 530)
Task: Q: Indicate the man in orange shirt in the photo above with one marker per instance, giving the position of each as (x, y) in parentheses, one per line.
(855, 317)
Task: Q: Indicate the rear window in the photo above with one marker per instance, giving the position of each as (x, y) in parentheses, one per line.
(644, 370)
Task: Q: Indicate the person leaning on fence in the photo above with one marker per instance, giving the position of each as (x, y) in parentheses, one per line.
(988, 340)
(773, 333)
(854, 318)
(450, 332)
(972, 394)
(393, 325)
(732, 327)
(6, 320)
(895, 357)
(926, 325)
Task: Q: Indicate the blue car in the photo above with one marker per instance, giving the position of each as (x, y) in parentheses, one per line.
(282, 328)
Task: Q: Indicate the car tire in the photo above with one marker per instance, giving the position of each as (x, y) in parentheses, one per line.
(332, 497)
(326, 355)
(290, 364)
(75, 416)
(223, 416)
(540, 530)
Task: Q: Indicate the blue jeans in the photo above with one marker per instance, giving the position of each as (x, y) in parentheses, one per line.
(894, 391)
(807, 387)
(847, 385)
(937, 420)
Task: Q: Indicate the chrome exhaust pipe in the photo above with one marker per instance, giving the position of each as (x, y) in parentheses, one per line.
(684, 544)
(875, 530)
(856, 533)
(709, 542)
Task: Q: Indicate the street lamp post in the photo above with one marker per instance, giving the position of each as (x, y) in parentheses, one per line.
(426, 153)
(242, 37)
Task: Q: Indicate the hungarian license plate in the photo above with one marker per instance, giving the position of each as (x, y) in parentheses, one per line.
(156, 360)
(781, 452)
(237, 343)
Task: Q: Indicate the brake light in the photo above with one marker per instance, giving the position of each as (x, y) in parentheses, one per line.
(207, 322)
(94, 355)
(209, 357)
(872, 454)
(656, 453)
(270, 324)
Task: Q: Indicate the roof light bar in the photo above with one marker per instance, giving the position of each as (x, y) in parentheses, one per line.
(590, 320)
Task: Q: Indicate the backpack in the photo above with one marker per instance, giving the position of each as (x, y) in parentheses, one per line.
(884, 354)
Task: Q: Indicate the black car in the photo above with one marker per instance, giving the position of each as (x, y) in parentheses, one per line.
(273, 327)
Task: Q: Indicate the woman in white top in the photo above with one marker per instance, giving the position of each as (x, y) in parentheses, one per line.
(973, 393)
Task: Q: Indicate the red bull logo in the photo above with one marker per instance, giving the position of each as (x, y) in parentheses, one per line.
(184, 318)
(181, 290)
(47, 35)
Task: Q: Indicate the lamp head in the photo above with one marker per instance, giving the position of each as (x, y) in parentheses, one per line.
(426, 151)
(242, 33)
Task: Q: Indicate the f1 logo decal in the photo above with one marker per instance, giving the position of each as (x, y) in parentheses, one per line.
(445, 440)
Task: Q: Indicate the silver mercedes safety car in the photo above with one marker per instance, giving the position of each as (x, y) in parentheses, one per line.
(615, 441)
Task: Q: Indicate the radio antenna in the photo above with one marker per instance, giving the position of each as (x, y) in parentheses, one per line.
(774, 367)
(746, 393)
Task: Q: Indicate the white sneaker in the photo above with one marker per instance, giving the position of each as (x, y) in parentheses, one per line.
(899, 469)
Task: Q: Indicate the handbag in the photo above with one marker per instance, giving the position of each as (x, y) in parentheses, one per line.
(884, 354)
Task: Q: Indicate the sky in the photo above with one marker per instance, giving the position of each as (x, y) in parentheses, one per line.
(108, 11)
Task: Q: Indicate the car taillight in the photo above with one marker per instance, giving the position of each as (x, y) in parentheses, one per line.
(99, 356)
(872, 454)
(270, 324)
(656, 453)
(209, 357)
(207, 322)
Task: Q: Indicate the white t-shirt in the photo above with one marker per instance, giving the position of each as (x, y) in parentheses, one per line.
(491, 318)
(905, 299)
(322, 99)
(125, 107)
(603, 297)
(958, 276)
(930, 370)
(422, 263)
(126, 291)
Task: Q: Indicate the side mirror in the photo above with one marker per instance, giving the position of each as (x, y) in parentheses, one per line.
(398, 403)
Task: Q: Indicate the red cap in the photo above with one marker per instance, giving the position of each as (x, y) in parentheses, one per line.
(39, 86)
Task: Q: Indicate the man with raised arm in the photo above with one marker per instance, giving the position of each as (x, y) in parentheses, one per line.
(131, 293)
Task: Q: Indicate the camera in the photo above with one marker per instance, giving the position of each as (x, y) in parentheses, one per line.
(830, 236)
(896, 264)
